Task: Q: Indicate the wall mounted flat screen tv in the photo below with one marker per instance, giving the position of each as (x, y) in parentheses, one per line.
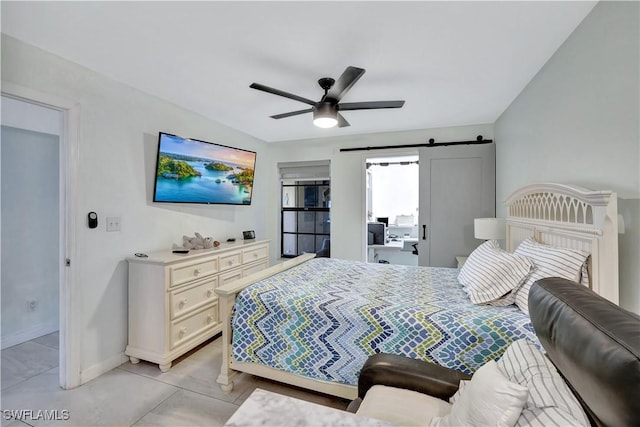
(193, 171)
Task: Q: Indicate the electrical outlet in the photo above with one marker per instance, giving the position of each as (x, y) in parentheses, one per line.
(31, 305)
(113, 223)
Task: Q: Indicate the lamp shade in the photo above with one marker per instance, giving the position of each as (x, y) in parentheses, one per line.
(489, 228)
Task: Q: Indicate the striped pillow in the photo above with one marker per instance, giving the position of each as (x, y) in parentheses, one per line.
(550, 402)
(491, 273)
(549, 261)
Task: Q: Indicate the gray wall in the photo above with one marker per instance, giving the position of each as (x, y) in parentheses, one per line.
(30, 228)
(578, 122)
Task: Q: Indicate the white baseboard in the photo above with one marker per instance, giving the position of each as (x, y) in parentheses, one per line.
(27, 335)
(100, 368)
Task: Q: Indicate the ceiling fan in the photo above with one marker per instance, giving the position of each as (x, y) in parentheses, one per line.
(326, 112)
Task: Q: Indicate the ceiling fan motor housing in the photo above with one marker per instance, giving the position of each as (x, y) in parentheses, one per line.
(326, 83)
(325, 109)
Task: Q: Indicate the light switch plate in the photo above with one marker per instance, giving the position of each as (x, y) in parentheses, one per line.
(113, 223)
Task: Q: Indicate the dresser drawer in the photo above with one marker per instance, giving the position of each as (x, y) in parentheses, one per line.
(230, 260)
(254, 254)
(254, 268)
(192, 297)
(185, 272)
(230, 277)
(188, 328)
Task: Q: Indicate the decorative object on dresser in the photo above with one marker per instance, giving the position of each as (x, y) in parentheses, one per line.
(173, 306)
(197, 242)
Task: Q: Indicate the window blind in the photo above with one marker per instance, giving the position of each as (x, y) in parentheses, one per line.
(305, 171)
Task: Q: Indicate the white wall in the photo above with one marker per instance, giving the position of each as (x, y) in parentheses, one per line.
(30, 232)
(578, 122)
(348, 240)
(118, 139)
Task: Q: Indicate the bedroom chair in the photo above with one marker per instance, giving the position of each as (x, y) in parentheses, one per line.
(593, 344)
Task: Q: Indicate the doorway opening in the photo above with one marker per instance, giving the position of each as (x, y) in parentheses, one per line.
(30, 250)
(392, 193)
(26, 104)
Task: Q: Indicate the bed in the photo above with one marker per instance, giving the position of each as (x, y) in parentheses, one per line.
(312, 322)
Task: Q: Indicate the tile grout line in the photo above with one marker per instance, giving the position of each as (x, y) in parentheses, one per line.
(179, 389)
(2, 390)
(160, 403)
(182, 388)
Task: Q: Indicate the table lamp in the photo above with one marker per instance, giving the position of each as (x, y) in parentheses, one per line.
(489, 228)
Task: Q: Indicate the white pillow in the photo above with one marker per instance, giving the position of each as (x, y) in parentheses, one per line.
(548, 261)
(491, 273)
(489, 399)
(456, 395)
(550, 402)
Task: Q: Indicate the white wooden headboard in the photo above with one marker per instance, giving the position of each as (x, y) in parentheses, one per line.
(570, 217)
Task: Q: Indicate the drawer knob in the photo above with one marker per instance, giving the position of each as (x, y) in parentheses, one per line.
(182, 303)
(209, 293)
(182, 332)
(196, 271)
(209, 319)
(255, 255)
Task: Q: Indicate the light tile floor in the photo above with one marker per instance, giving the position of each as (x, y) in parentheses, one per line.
(131, 395)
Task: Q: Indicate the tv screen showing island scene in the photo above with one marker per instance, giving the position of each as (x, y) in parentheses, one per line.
(194, 171)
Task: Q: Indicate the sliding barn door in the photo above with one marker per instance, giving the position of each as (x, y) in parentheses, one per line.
(457, 184)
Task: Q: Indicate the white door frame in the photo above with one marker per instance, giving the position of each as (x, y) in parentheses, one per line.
(70, 315)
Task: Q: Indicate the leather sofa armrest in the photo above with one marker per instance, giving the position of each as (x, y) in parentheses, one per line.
(411, 374)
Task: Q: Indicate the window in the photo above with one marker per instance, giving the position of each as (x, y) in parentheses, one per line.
(305, 216)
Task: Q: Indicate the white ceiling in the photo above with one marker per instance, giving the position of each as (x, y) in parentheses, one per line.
(455, 63)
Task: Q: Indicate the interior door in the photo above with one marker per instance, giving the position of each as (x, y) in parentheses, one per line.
(457, 184)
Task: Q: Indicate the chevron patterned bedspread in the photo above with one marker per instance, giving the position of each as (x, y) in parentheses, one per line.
(322, 319)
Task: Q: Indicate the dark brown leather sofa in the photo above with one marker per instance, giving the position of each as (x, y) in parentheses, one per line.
(594, 344)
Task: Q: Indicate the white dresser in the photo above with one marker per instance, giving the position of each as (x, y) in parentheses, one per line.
(173, 306)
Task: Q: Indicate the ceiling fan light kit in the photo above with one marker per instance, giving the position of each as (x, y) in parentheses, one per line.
(326, 111)
(325, 115)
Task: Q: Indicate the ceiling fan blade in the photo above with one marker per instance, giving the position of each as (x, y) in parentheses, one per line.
(268, 89)
(348, 78)
(372, 105)
(342, 122)
(292, 113)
